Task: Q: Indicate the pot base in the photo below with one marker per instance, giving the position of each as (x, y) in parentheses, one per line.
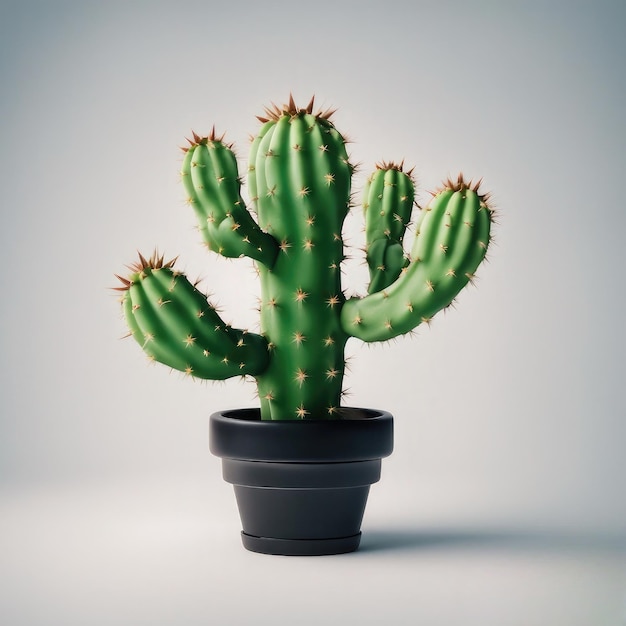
(300, 547)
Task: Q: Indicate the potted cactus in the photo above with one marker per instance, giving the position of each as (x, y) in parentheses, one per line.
(301, 464)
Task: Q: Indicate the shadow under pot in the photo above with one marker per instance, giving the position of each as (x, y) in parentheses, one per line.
(301, 485)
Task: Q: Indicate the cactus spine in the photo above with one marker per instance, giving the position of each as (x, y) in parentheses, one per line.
(299, 177)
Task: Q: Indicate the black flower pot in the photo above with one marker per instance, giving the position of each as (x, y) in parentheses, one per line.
(301, 486)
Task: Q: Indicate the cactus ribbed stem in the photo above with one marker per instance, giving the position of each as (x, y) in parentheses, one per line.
(299, 179)
(211, 179)
(175, 325)
(387, 204)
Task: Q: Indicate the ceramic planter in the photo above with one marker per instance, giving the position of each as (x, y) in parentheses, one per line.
(301, 486)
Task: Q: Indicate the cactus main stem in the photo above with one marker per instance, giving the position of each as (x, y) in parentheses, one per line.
(300, 175)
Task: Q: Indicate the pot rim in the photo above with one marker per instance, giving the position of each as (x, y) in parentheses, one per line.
(361, 434)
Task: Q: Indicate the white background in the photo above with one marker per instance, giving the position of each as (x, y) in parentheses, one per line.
(504, 500)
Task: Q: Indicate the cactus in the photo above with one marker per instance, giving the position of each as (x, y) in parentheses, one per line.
(299, 177)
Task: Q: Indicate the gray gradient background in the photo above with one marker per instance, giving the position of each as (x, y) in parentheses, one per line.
(504, 501)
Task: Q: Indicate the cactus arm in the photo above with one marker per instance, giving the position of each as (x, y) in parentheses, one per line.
(387, 205)
(453, 236)
(211, 179)
(175, 325)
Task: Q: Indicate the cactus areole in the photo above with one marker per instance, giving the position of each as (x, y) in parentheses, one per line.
(299, 181)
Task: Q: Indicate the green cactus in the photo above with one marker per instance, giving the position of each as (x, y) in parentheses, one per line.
(299, 178)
